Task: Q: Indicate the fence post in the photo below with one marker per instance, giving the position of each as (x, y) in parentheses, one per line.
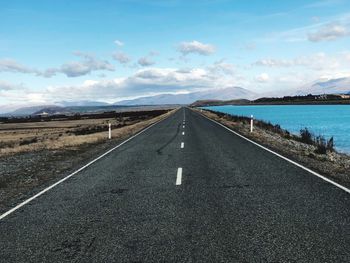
(251, 123)
(109, 131)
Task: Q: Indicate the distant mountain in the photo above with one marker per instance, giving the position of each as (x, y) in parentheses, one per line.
(24, 111)
(202, 103)
(330, 86)
(82, 103)
(213, 94)
(50, 110)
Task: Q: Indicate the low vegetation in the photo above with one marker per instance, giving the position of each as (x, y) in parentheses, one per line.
(56, 132)
(322, 145)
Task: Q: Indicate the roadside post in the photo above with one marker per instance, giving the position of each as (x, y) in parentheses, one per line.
(251, 123)
(109, 131)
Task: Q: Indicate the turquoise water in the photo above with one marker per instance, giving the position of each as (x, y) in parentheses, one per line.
(327, 120)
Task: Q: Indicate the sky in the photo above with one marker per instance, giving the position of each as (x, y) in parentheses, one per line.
(111, 50)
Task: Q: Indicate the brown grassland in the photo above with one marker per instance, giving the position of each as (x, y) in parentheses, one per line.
(34, 136)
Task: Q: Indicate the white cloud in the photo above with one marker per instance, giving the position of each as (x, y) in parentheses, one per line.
(121, 57)
(119, 43)
(145, 62)
(249, 46)
(11, 65)
(6, 86)
(270, 62)
(329, 32)
(196, 47)
(88, 64)
(144, 82)
(222, 67)
(262, 78)
(318, 61)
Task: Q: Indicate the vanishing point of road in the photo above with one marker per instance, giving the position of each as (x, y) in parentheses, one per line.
(184, 190)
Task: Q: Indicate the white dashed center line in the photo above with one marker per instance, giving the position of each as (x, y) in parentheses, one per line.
(183, 133)
(179, 176)
(183, 126)
(182, 145)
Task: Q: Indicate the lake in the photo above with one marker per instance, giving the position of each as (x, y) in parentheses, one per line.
(326, 120)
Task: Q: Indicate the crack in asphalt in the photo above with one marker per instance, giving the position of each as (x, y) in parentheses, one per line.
(159, 151)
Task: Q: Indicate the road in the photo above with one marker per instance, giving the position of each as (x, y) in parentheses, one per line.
(233, 202)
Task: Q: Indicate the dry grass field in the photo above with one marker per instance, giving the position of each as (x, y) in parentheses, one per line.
(56, 134)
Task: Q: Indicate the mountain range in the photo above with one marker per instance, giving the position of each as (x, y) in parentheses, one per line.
(332, 86)
(322, 86)
(215, 94)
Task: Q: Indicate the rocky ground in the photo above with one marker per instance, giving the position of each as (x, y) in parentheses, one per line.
(24, 174)
(332, 164)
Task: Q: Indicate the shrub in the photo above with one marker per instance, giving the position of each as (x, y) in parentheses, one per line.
(29, 141)
(330, 144)
(306, 136)
(321, 145)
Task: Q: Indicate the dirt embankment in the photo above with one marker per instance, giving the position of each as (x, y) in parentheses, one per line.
(58, 149)
(332, 164)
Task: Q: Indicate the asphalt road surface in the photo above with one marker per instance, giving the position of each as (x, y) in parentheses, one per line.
(183, 192)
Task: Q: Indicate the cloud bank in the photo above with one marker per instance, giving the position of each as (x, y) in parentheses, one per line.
(329, 32)
(196, 47)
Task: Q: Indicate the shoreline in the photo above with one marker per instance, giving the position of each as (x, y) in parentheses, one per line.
(332, 164)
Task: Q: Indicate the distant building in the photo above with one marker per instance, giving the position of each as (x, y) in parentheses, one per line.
(43, 114)
(321, 97)
(345, 96)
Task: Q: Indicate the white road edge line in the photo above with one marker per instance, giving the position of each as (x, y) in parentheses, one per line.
(283, 157)
(179, 176)
(77, 171)
(182, 145)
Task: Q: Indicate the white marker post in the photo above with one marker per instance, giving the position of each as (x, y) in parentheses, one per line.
(109, 131)
(251, 123)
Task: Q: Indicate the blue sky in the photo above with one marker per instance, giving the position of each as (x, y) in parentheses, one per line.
(112, 50)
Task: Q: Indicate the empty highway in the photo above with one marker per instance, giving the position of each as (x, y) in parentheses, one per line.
(184, 190)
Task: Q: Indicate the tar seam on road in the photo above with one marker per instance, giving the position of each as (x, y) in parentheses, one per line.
(179, 176)
(283, 157)
(182, 145)
(77, 171)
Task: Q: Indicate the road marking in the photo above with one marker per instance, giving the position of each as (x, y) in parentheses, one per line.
(183, 133)
(179, 176)
(182, 145)
(77, 171)
(283, 157)
(183, 126)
